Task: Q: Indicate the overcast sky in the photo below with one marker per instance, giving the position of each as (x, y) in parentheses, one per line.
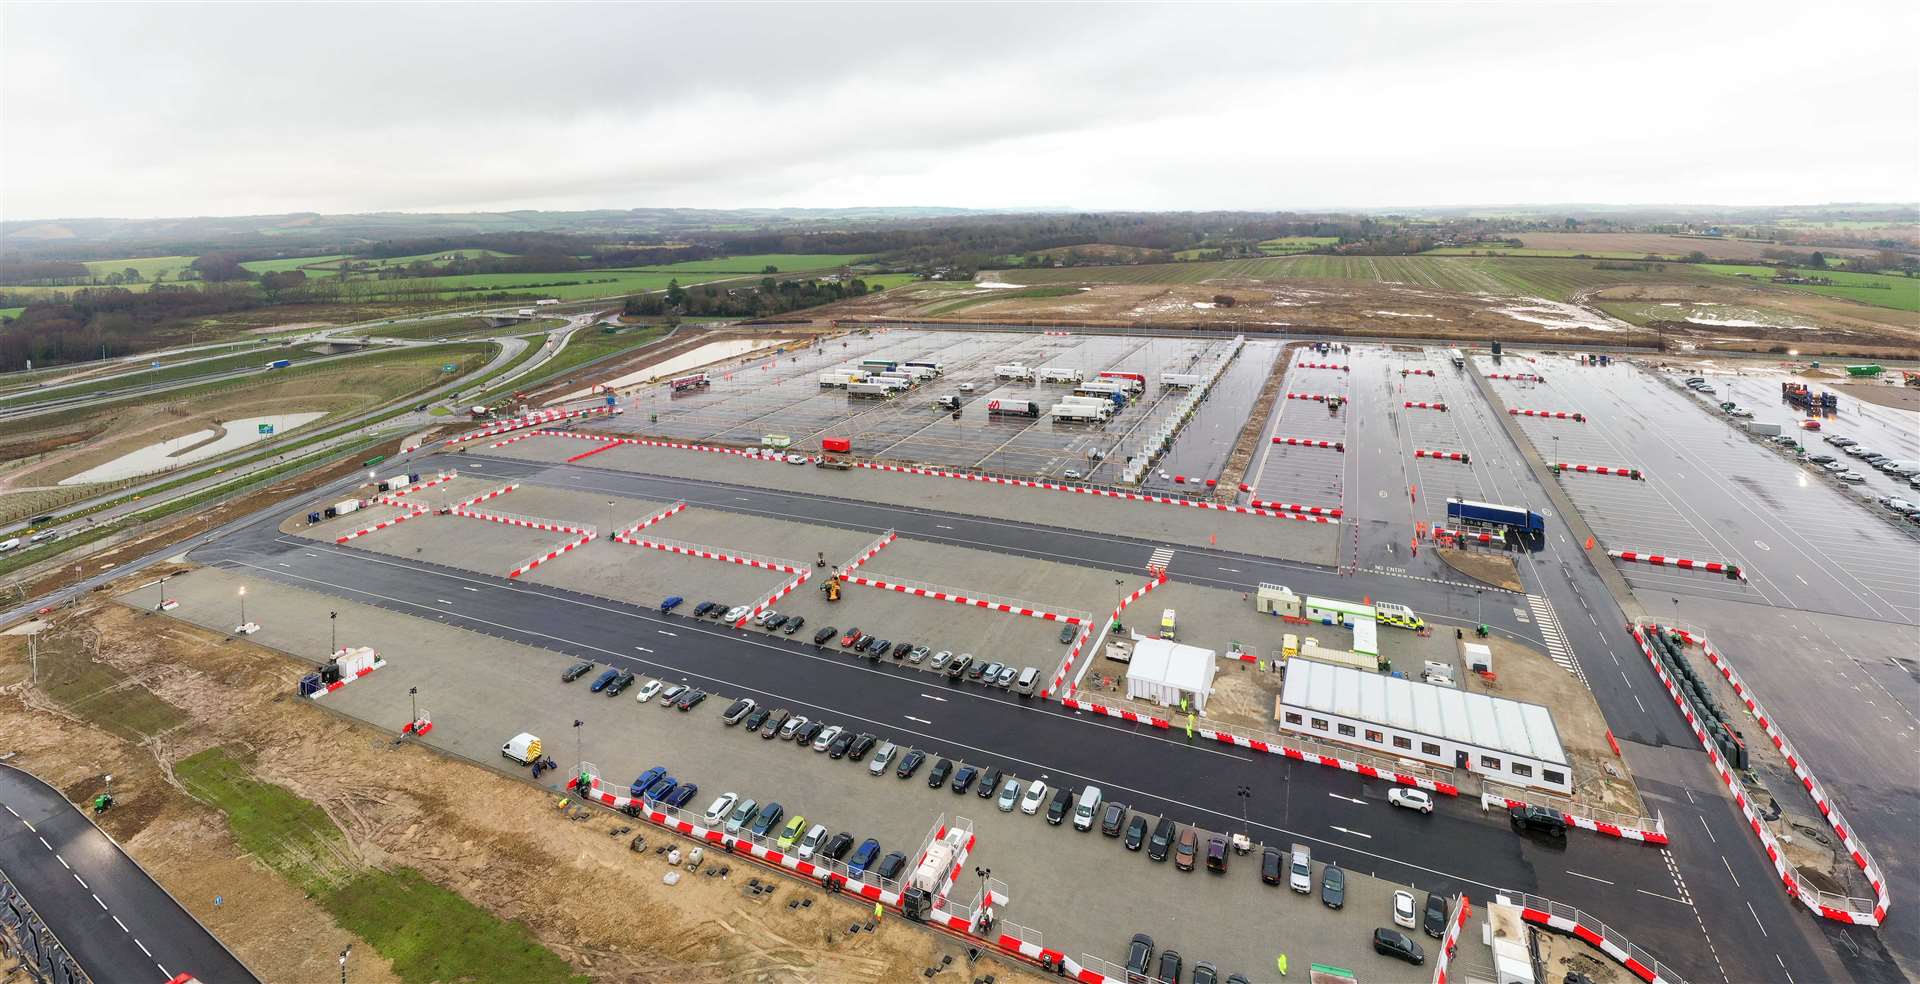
(161, 110)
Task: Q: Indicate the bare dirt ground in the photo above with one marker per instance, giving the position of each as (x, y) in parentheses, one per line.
(1646, 242)
(686, 339)
(1495, 569)
(407, 806)
(1897, 397)
(1562, 954)
(1845, 326)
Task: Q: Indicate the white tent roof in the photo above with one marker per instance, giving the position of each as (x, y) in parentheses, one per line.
(1162, 661)
(1493, 723)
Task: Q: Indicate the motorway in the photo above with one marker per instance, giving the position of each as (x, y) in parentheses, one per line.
(1633, 886)
(117, 923)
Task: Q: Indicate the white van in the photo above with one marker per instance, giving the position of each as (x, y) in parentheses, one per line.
(1088, 807)
(522, 748)
(9, 544)
(1900, 467)
(1028, 678)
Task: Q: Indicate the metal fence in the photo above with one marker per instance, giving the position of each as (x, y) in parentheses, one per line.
(1607, 933)
(1086, 618)
(25, 938)
(1573, 806)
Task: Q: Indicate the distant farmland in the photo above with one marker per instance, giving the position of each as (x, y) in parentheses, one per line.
(1537, 277)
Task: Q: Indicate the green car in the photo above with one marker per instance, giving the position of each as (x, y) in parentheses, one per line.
(791, 832)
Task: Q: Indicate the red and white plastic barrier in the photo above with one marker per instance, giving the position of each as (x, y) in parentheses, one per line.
(383, 524)
(1658, 560)
(1656, 835)
(610, 445)
(1081, 489)
(354, 664)
(1288, 507)
(1317, 397)
(690, 550)
(622, 536)
(1415, 372)
(570, 545)
(549, 525)
(1421, 405)
(885, 541)
(1322, 365)
(1308, 442)
(1550, 414)
(1592, 937)
(1086, 632)
(1789, 877)
(1445, 455)
(1518, 377)
(534, 419)
(418, 726)
(960, 599)
(440, 479)
(1634, 473)
(1451, 941)
(484, 496)
(1489, 537)
(779, 593)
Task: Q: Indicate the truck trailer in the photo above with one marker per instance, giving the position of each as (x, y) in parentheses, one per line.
(1013, 408)
(880, 390)
(1079, 412)
(1013, 370)
(1054, 374)
(1466, 512)
(1184, 380)
(841, 378)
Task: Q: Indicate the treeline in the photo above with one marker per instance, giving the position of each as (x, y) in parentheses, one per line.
(103, 322)
(771, 296)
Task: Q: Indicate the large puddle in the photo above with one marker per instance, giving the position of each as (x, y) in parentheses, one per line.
(192, 447)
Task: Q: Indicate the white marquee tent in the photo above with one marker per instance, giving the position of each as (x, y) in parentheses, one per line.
(1163, 671)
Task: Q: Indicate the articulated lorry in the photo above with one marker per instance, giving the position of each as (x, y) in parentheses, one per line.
(1013, 370)
(1467, 513)
(1053, 374)
(870, 390)
(1080, 412)
(1013, 408)
(1184, 380)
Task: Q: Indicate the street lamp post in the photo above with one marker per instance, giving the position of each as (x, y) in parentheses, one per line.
(333, 630)
(1479, 610)
(160, 588)
(413, 694)
(243, 604)
(1245, 795)
(578, 757)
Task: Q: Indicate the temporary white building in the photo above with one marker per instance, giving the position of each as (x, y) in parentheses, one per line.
(1163, 671)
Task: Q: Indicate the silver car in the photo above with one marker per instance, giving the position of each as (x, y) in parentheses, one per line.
(882, 759)
(1009, 795)
(743, 814)
(940, 659)
(826, 737)
(737, 612)
(1005, 678)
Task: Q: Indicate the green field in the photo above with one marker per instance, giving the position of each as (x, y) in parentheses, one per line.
(1878, 289)
(291, 263)
(11, 312)
(1002, 295)
(459, 328)
(883, 281)
(1295, 244)
(1529, 276)
(440, 257)
(787, 263)
(1490, 248)
(149, 266)
(428, 932)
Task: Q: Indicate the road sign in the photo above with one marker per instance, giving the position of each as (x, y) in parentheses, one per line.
(266, 428)
(449, 367)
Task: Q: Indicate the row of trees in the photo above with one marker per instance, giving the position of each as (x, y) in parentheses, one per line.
(771, 296)
(108, 321)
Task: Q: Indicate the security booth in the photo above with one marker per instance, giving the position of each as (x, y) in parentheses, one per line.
(1276, 599)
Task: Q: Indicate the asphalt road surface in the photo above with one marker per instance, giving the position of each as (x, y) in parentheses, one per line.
(117, 923)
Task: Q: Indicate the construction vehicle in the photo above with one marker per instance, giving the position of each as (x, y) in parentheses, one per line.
(832, 588)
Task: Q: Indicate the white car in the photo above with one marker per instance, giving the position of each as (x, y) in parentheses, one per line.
(796, 459)
(792, 727)
(721, 806)
(882, 759)
(1036, 795)
(646, 693)
(816, 836)
(736, 613)
(1403, 909)
(764, 617)
(1073, 474)
(1412, 799)
(826, 737)
(966, 387)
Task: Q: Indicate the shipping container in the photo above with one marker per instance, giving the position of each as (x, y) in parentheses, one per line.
(839, 444)
(698, 380)
(1132, 382)
(1087, 401)
(345, 506)
(841, 378)
(1327, 611)
(1762, 428)
(1054, 374)
(1013, 408)
(929, 364)
(879, 365)
(1013, 371)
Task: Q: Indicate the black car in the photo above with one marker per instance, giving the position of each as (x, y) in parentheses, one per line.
(1538, 819)
(737, 710)
(774, 724)
(1205, 973)
(794, 622)
(576, 671)
(1333, 887)
(1139, 958)
(1113, 819)
(1067, 632)
(964, 777)
(1162, 839)
(774, 623)
(974, 671)
(1137, 833)
(719, 608)
(1394, 943)
(690, 699)
(1434, 919)
(701, 610)
(890, 866)
(757, 718)
(874, 646)
(901, 649)
(1272, 863)
(862, 744)
(1058, 806)
(838, 846)
(811, 730)
(681, 795)
(840, 745)
(821, 637)
(621, 682)
(990, 783)
(1169, 965)
(939, 773)
(910, 763)
(600, 682)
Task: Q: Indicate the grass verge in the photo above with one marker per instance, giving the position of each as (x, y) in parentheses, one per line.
(429, 933)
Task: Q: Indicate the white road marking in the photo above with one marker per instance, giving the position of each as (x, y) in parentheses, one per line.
(1669, 898)
(142, 946)
(938, 526)
(285, 565)
(465, 588)
(43, 842)
(123, 926)
(103, 905)
(1716, 840)
(643, 649)
(63, 863)
(1349, 799)
(1730, 874)
(917, 720)
(443, 601)
(82, 881)
(1355, 833)
(1636, 701)
(10, 810)
(1577, 874)
(1783, 967)
(932, 697)
(1756, 920)
(1229, 570)
(163, 970)
(666, 633)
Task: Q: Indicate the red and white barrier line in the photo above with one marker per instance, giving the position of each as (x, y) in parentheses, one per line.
(1475, 536)
(1518, 377)
(1552, 414)
(1656, 834)
(1079, 489)
(1308, 442)
(1322, 365)
(349, 674)
(440, 479)
(1789, 877)
(1462, 910)
(1581, 926)
(1562, 466)
(1658, 560)
(484, 496)
(585, 538)
(534, 419)
(709, 553)
(1066, 666)
(383, 524)
(1443, 455)
(528, 522)
(623, 535)
(590, 452)
(939, 594)
(779, 593)
(886, 540)
(1416, 372)
(1316, 397)
(1288, 507)
(1421, 405)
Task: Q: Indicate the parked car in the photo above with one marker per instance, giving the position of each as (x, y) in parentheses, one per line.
(1067, 632)
(1539, 819)
(837, 846)
(672, 694)
(670, 603)
(1838, 441)
(576, 671)
(1113, 818)
(736, 613)
(964, 777)
(882, 759)
(771, 729)
(1271, 863)
(737, 711)
(837, 748)
(901, 649)
(621, 682)
(766, 819)
(863, 857)
(940, 659)
(937, 776)
(820, 638)
(1004, 678)
(600, 682)
(645, 779)
(689, 700)
(719, 608)
(1169, 969)
(794, 622)
(1333, 887)
(862, 744)
(827, 737)
(721, 806)
(958, 665)
(891, 866)
(701, 610)
(806, 733)
(1403, 909)
(1139, 958)
(1412, 799)
(974, 670)
(764, 617)
(1186, 849)
(646, 692)
(988, 673)
(1394, 943)
(681, 795)
(1217, 854)
(812, 841)
(1136, 834)
(742, 815)
(792, 832)
(792, 727)
(1036, 794)
(1009, 796)
(917, 654)
(661, 787)
(1205, 973)
(773, 624)
(990, 781)
(1162, 840)
(1821, 459)
(757, 717)
(873, 646)
(910, 763)
(1433, 920)
(1059, 806)
(854, 635)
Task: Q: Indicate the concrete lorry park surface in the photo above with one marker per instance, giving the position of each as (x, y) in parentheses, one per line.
(1044, 549)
